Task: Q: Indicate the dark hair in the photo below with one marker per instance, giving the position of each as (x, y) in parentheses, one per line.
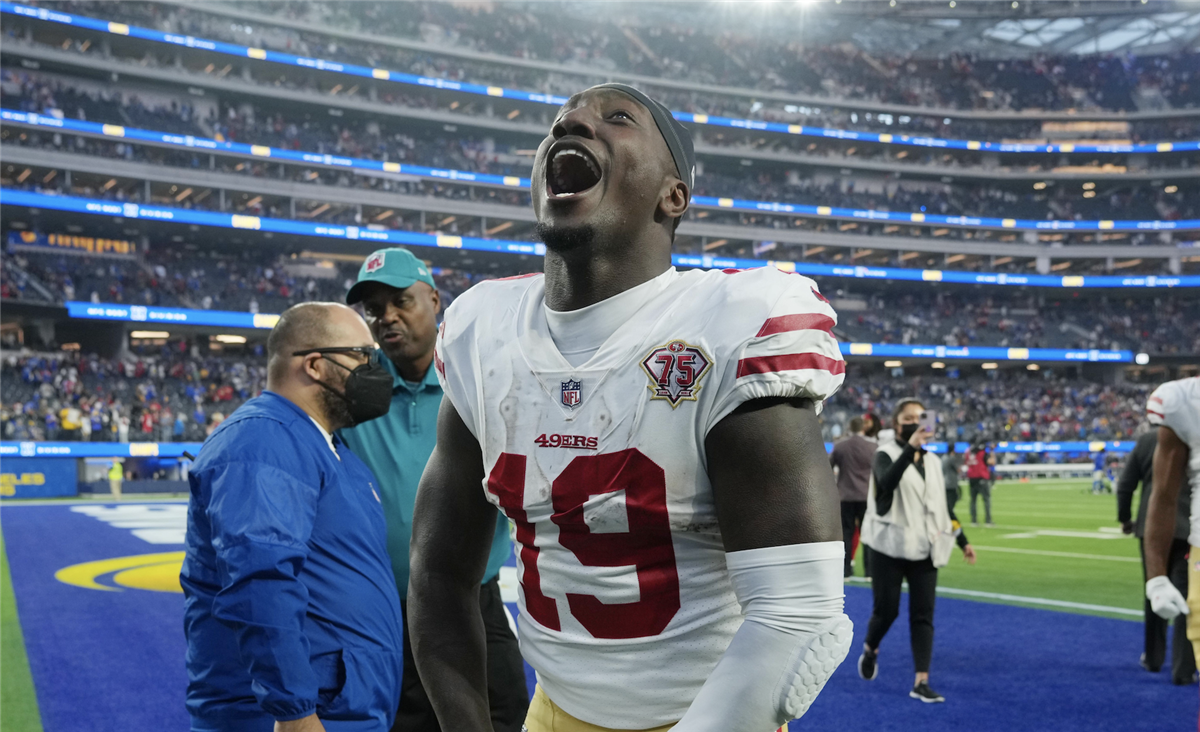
(856, 424)
(900, 405)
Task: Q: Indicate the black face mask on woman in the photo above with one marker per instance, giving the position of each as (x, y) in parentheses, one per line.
(368, 388)
(906, 432)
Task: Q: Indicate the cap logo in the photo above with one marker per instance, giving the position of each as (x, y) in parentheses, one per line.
(374, 262)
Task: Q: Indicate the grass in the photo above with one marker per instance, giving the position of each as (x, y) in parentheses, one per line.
(18, 703)
(1014, 559)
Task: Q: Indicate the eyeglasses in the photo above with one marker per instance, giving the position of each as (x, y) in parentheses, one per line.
(368, 352)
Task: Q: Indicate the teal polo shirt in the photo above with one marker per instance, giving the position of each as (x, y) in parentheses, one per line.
(396, 447)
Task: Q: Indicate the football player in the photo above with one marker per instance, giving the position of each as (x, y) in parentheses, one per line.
(653, 436)
(1174, 408)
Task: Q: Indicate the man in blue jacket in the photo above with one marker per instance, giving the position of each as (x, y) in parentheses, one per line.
(292, 616)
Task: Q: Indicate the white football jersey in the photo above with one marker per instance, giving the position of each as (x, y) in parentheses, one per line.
(1176, 404)
(625, 601)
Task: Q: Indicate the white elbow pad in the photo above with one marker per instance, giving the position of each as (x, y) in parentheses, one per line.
(794, 637)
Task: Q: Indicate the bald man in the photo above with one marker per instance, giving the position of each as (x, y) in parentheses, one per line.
(292, 616)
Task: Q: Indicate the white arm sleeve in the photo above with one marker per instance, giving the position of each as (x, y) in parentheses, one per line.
(794, 636)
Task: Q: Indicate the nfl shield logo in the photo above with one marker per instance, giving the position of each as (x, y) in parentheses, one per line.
(375, 262)
(571, 394)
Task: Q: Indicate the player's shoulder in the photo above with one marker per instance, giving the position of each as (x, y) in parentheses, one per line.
(490, 297)
(759, 294)
(1173, 401)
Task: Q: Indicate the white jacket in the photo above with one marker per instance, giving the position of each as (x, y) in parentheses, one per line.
(918, 523)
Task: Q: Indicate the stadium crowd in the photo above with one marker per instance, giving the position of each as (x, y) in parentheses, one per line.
(265, 282)
(1010, 406)
(958, 81)
(728, 58)
(172, 395)
(368, 139)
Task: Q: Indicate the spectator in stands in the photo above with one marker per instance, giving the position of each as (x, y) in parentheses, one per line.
(911, 533)
(852, 458)
(1139, 468)
(292, 616)
(401, 302)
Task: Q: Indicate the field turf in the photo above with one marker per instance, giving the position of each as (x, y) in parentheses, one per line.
(1052, 540)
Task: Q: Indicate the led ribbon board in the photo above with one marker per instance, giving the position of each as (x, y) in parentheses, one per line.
(401, 77)
(133, 134)
(77, 204)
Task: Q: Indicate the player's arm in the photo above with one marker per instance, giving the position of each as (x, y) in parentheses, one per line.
(452, 533)
(1170, 466)
(777, 505)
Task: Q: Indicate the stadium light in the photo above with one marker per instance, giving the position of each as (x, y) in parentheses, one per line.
(229, 338)
(1142, 359)
(1040, 185)
(149, 334)
(989, 365)
(953, 4)
(1171, 189)
(1033, 367)
(1089, 186)
(1089, 194)
(893, 364)
(937, 365)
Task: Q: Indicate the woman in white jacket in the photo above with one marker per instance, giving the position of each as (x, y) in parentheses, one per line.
(911, 532)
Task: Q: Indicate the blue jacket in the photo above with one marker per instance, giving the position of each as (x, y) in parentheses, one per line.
(291, 607)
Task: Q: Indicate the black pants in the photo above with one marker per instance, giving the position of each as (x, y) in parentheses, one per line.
(1183, 660)
(981, 487)
(507, 693)
(886, 575)
(852, 516)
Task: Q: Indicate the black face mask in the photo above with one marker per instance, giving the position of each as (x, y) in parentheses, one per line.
(907, 431)
(367, 393)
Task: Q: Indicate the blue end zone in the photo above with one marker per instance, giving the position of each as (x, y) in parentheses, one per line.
(112, 661)
(100, 660)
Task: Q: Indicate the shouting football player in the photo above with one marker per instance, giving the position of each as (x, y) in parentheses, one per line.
(653, 436)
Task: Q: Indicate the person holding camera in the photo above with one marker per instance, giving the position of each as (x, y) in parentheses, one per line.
(911, 532)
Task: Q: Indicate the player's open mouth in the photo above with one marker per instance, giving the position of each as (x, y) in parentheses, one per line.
(571, 171)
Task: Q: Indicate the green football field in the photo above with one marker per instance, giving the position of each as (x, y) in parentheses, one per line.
(1055, 544)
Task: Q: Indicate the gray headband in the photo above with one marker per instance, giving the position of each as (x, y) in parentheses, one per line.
(677, 137)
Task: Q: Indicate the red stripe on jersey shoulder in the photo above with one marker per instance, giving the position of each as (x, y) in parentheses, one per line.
(789, 362)
(819, 295)
(1156, 414)
(437, 363)
(799, 321)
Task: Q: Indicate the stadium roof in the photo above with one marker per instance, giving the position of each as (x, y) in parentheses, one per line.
(990, 28)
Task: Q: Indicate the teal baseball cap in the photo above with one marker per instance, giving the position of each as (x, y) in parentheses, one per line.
(394, 267)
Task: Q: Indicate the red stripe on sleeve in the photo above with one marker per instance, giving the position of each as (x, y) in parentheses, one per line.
(437, 363)
(1160, 415)
(802, 321)
(789, 362)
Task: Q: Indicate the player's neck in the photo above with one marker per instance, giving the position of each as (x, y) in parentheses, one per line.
(576, 280)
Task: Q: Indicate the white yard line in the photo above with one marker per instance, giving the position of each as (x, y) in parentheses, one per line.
(1026, 600)
(1070, 555)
